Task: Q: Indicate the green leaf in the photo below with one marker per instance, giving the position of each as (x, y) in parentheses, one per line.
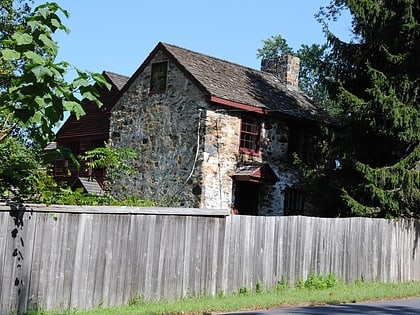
(53, 114)
(90, 96)
(40, 101)
(10, 54)
(22, 38)
(101, 81)
(49, 43)
(34, 24)
(40, 72)
(65, 12)
(43, 11)
(53, 216)
(37, 117)
(34, 57)
(23, 114)
(74, 108)
(80, 81)
(57, 23)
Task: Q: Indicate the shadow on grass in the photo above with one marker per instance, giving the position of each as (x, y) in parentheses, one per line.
(400, 307)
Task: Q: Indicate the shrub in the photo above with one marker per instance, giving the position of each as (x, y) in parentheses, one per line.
(315, 281)
(259, 287)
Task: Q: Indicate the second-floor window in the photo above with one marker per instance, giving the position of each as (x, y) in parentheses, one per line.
(250, 135)
(296, 142)
(158, 77)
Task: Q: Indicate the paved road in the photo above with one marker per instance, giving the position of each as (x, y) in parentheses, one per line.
(389, 307)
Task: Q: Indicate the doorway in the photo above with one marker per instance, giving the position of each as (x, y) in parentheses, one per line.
(246, 197)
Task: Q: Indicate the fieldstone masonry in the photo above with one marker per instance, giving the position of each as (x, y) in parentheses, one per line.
(165, 129)
(286, 68)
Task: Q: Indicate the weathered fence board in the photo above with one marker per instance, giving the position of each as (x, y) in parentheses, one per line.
(92, 256)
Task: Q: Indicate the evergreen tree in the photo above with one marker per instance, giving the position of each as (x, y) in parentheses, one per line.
(376, 86)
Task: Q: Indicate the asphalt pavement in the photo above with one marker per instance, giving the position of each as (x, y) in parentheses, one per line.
(409, 306)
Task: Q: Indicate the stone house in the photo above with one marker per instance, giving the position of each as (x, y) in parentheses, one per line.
(214, 134)
(88, 132)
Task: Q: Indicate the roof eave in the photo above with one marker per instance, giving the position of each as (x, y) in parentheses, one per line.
(265, 111)
(237, 105)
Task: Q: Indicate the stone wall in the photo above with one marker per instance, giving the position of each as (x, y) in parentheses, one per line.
(163, 129)
(221, 158)
(274, 151)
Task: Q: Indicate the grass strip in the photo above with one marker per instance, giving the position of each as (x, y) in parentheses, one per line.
(246, 299)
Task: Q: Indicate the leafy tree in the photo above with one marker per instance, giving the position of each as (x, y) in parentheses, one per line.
(21, 169)
(376, 86)
(313, 61)
(12, 16)
(116, 161)
(274, 46)
(35, 94)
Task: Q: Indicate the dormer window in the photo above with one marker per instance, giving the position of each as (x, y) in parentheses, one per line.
(158, 77)
(250, 135)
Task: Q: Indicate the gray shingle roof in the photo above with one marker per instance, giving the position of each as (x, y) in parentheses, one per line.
(239, 84)
(91, 186)
(117, 79)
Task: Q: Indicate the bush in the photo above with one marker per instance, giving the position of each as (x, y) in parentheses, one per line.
(282, 284)
(315, 281)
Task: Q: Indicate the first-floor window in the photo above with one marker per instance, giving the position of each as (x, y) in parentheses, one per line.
(294, 201)
(250, 135)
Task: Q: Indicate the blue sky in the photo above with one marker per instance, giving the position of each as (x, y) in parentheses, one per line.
(118, 35)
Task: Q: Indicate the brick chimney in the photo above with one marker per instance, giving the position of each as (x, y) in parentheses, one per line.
(286, 68)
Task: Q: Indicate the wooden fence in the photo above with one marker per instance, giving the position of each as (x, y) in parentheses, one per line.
(83, 257)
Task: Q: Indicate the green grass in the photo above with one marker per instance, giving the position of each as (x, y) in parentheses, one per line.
(246, 299)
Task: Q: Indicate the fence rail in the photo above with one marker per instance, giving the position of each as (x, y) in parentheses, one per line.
(83, 257)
